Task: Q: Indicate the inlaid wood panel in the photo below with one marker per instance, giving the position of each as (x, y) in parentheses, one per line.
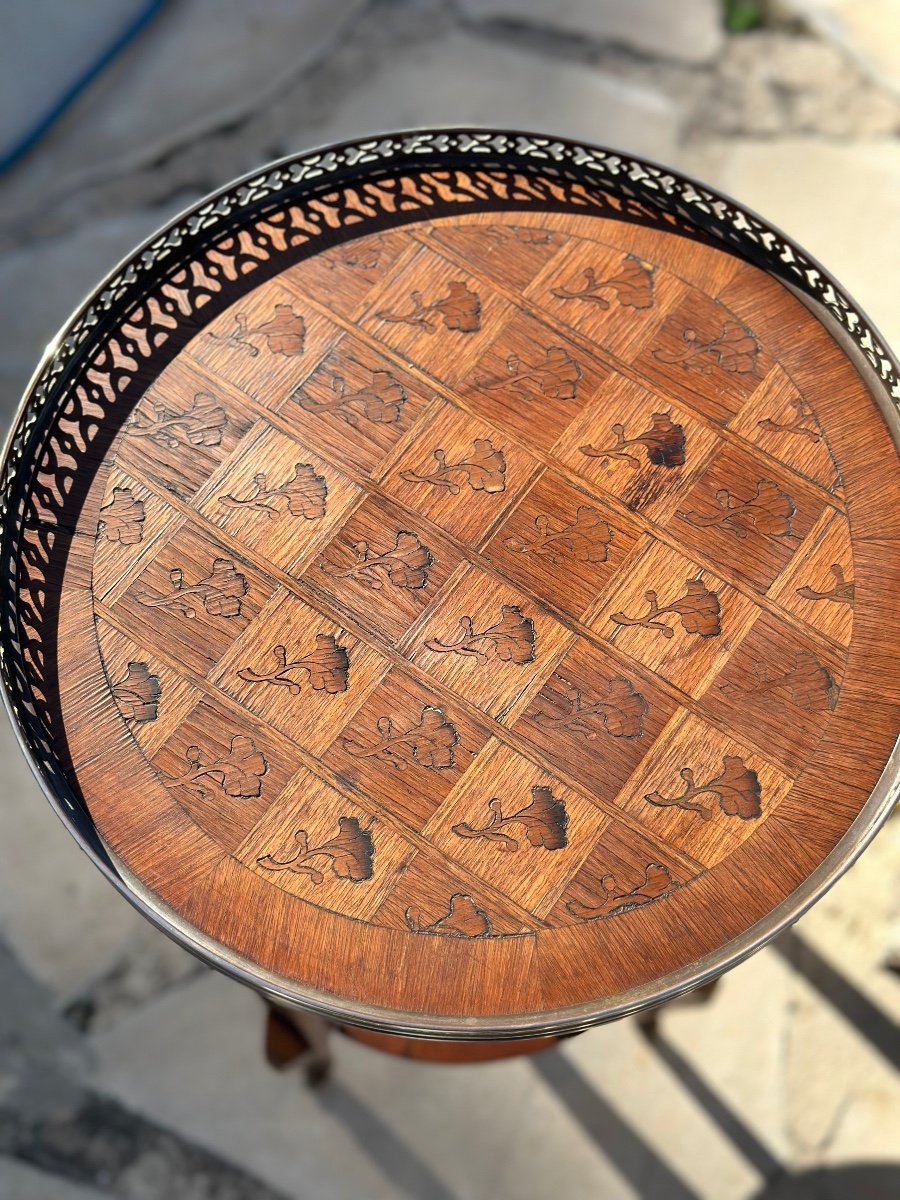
(675, 617)
(463, 620)
(385, 565)
(562, 545)
(356, 405)
(407, 748)
(459, 472)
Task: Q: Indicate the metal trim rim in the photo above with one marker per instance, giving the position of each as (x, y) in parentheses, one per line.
(574, 1019)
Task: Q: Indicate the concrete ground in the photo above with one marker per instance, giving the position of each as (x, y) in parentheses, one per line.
(126, 1069)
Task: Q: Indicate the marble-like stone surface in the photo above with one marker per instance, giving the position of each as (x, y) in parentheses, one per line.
(691, 31)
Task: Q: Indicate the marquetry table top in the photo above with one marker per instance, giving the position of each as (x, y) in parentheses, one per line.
(468, 606)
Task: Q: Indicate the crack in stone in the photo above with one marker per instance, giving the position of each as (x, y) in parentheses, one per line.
(150, 969)
(547, 39)
(102, 1144)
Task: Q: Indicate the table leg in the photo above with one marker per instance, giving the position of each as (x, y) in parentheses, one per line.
(648, 1022)
(293, 1035)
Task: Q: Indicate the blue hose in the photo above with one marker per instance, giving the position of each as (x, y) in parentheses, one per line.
(58, 107)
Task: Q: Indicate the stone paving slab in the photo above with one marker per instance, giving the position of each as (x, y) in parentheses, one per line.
(804, 1081)
(194, 1061)
(66, 923)
(736, 1044)
(868, 31)
(691, 31)
(771, 84)
(852, 926)
(18, 1181)
(386, 1127)
(99, 1144)
(462, 80)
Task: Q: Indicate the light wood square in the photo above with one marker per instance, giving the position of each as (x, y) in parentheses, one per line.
(196, 594)
(704, 356)
(615, 299)
(531, 380)
(656, 446)
(510, 255)
(817, 584)
(151, 695)
(532, 860)
(436, 314)
(778, 420)
(355, 406)
(661, 591)
(460, 473)
(265, 342)
(341, 278)
(562, 544)
(278, 498)
(750, 787)
(300, 672)
(486, 643)
(351, 857)
(132, 519)
(186, 424)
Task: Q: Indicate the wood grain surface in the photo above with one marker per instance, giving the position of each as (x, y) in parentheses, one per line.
(486, 616)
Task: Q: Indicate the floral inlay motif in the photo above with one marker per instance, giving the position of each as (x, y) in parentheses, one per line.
(841, 593)
(363, 256)
(657, 884)
(350, 855)
(483, 471)
(734, 350)
(698, 610)
(220, 592)
(544, 820)
(557, 376)
(586, 539)
(459, 310)
(431, 742)
(303, 495)
(803, 424)
(200, 423)
(405, 564)
(663, 443)
(122, 519)
(528, 235)
(238, 773)
(463, 919)
(380, 401)
(284, 333)
(327, 667)
(138, 694)
(768, 512)
(808, 683)
(510, 640)
(561, 705)
(633, 287)
(736, 790)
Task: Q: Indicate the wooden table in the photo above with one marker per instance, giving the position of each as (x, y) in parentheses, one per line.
(451, 582)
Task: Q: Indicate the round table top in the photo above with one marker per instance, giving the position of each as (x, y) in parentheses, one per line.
(469, 609)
